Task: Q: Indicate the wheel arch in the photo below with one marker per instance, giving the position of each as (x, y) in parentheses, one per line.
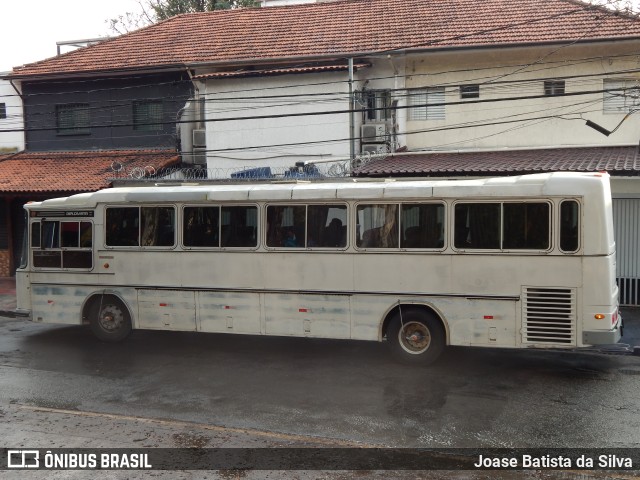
(424, 306)
(96, 296)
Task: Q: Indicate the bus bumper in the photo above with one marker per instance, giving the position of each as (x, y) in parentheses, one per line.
(17, 313)
(603, 337)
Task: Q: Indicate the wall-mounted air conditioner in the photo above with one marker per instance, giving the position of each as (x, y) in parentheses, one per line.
(374, 132)
(199, 156)
(199, 138)
(374, 148)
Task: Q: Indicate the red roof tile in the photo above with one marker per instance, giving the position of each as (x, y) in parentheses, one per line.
(339, 29)
(41, 172)
(615, 160)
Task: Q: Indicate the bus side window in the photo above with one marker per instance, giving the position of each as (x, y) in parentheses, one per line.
(201, 226)
(526, 226)
(477, 225)
(286, 226)
(326, 226)
(569, 226)
(422, 225)
(122, 227)
(158, 226)
(379, 226)
(239, 226)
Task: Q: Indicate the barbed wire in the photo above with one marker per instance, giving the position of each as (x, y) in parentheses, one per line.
(187, 173)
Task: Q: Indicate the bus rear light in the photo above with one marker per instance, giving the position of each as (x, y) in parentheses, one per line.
(599, 316)
(614, 318)
(488, 317)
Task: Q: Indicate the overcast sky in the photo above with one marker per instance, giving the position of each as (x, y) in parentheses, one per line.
(30, 29)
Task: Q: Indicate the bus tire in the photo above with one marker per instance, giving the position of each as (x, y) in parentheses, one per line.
(110, 319)
(416, 336)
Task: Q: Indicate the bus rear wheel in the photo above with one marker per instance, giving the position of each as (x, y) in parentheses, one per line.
(416, 336)
(110, 320)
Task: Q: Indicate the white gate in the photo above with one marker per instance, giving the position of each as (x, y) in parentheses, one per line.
(626, 221)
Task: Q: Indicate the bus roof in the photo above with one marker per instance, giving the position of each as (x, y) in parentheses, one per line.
(542, 184)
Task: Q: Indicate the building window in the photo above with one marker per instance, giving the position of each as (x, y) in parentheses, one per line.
(621, 96)
(377, 105)
(72, 119)
(427, 104)
(3, 111)
(553, 88)
(148, 115)
(469, 91)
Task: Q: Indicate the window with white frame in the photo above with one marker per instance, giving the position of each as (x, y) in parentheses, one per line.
(426, 104)
(621, 95)
(377, 105)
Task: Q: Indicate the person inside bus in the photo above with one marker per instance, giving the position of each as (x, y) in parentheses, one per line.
(290, 239)
(334, 234)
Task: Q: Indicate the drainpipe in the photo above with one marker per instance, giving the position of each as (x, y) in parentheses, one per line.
(352, 139)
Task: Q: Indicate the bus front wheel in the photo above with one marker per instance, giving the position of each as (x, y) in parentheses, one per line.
(110, 320)
(416, 336)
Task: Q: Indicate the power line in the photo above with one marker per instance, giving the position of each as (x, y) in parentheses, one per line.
(328, 112)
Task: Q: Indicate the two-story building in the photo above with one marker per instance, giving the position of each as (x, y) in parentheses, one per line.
(411, 87)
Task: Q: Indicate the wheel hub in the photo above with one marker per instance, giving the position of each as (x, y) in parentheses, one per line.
(111, 318)
(415, 337)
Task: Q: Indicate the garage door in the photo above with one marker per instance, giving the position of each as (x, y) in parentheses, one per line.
(626, 220)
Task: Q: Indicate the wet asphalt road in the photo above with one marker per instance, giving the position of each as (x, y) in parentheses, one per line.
(343, 392)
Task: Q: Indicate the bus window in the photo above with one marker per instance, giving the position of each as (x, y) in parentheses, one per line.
(201, 226)
(377, 226)
(62, 244)
(477, 225)
(286, 226)
(35, 235)
(158, 227)
(122, 227)
(526, 226)
(569, 226)
(422, 225)
(239, 226)
(327, 226)
(50, 234)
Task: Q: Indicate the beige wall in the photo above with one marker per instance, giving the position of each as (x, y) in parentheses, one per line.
(521, 72)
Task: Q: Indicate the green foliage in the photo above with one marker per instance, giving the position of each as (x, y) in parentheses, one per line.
(163, 9)
(153, 11)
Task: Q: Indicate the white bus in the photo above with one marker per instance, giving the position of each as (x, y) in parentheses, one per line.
(514, 262)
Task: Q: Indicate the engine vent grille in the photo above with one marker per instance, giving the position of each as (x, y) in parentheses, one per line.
(549, 315)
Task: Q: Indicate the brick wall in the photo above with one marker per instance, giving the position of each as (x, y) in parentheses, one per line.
(4, 264)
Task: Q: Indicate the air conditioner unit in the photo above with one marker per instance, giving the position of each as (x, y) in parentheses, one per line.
(199, 156)
(374, 148)
(374, 132)
(199, 138)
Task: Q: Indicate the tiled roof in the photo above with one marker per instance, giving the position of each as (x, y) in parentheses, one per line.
(42, 172)
(340, 29)
(615, 160)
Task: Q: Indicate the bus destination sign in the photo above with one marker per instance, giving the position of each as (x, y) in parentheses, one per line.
(65, 213)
